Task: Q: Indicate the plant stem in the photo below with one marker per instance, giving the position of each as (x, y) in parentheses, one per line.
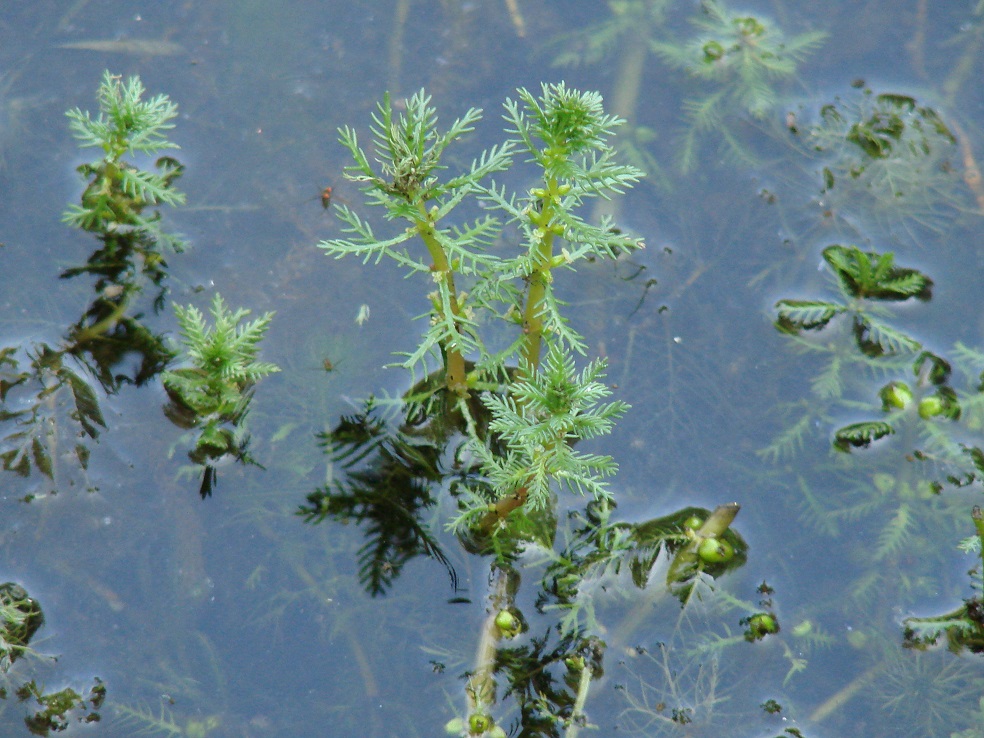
(454, 360)
(501, 509)
(540, 277)
(481, 685)
(578, 717)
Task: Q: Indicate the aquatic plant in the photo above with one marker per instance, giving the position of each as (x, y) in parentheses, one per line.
(130, 255)
(214, 393)
(54, 712)
(925, 693)
(893, 503)
(144, 721)
(742, 59)
(889, 157)
(20, 619)
(502, 418)
(565, 133)
(622, 39)
(119, 191)
(963, 628)
(852, 335)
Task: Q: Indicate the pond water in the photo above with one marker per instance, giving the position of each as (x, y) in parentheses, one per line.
(230, 615)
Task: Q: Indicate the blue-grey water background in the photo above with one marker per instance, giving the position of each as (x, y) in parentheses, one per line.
(229, 616)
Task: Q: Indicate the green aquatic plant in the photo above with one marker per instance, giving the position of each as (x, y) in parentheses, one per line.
(864, 279)
(537, 422)
(889, 157)
(118, 190)
(20, 619)
(622, 39)
(54, 712)
(852, 334)
(31, 444)
(743, 59)
(503, 408)
(214, 393)
(115, 208)
(145, 722)
(564, 133)
(962, 628)
(917, 407)
(64, 409)
(925, 693)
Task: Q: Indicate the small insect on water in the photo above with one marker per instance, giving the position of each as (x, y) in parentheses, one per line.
(326, 197)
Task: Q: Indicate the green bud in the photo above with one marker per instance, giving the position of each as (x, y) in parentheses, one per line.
(715, 551)
(693, 523)
(895, 394)
(930, 407)
(454, 726)
(478, 723)
(574, 663)
(497, 732)
(760, 625)
(713, 51)
(507, 623)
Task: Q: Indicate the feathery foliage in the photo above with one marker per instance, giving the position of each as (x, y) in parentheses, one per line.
(223, 357)
(565, 133)
(215, 392)
(742, 58)
(889, 157)
(118, 190)
(537, 423)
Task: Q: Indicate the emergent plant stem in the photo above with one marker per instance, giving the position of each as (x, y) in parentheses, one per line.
(540, 277)
(454, 361)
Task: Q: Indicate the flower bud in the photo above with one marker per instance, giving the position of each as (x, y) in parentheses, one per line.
(930, 407)
(895, 394)
(715, 551)
(478, 723)
(507, 623)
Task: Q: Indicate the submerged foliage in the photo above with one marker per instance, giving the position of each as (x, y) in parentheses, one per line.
(889, 157)
(742, 59)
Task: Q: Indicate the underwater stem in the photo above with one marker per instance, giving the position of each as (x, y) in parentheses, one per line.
(578, 718)
(481, 685)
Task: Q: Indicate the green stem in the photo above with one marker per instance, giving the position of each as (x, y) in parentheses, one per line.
(578, 717)
(540, 277)
(481, 685)
(454, 360)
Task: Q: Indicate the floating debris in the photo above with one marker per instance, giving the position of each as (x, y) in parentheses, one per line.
(144, 47)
